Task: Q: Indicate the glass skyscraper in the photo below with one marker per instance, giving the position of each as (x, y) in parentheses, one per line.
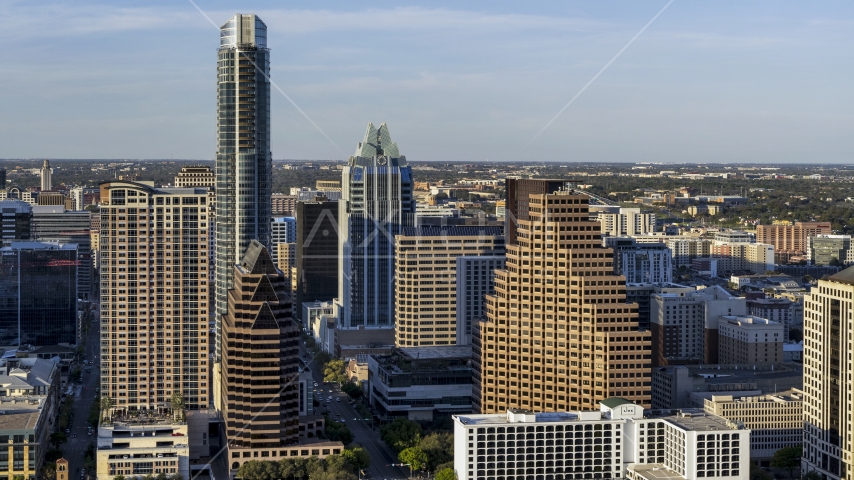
(243, 158)
(376, 204)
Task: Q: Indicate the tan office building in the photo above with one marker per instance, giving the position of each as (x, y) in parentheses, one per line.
(426, 279)
(196, 176)
(154, 294)
(559, 334)
(828, 345)
(260, 360)
(775, 421)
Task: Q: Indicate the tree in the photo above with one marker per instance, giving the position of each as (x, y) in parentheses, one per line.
(788, 458)
(834, 262)
(352, 389)
(796, 334)
(106, 406)
(58, 438)
(176, 476)
(119, 477)
(439, 447)
(757, 473)
(414, 456)
(401, 434)
(258, 470)
(446, 474)
(334, 371)
(177, 403)
(49, 471)
(811, 475)
(337, 431)
(162, 476)
(358, 457)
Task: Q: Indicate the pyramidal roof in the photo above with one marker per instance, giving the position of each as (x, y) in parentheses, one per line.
(264, 292)
(377, 142)
(257, 260)
(265, 318)
(845, 276)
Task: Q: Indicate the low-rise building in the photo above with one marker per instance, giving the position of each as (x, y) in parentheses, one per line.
(618, 441)
(775, 420)
(29, 401)
(140, 444)
(421, 382)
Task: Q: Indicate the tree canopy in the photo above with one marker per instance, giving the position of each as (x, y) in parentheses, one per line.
(788, 458)
(414, 456)
(401, 434)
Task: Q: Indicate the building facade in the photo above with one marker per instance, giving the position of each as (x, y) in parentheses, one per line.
(749, 340)
(617, 441)
(626, 222)
(155, 295)
(283, 204)
(243, 165)
(46, 174)
(775, 421)
(830, 250)
(426, 279)
(15, 221)
(558, 333)
(316, 253)
(260, 363)
(641, 262)
(282, 230)
(58, 225)
(790, 240)
(195, 176)
(518, 192)
(475, 280)
(38, 294)
(376, 204)
(828, 446)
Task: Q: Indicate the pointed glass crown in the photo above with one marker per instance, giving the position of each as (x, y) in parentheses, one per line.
(377, 143)
(243, 30)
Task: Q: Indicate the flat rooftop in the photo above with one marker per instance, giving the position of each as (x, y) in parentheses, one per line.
(19, 421)
(501, 419)
(655, 471)
(436, 353)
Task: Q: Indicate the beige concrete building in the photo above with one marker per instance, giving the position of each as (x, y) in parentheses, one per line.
(195, 176)
(136, 447)
(283, 204)
(260, 360)
(287, 263)
(828, 389)
(426, 279)
(775, 420)
(154, 295)
(559, 334)
(749, 340)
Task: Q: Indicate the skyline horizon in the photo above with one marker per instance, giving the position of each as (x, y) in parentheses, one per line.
(759, 83)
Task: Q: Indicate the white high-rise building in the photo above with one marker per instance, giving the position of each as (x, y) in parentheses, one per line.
(376, 204)
(828, 448)
(626, 222)
(283, 230)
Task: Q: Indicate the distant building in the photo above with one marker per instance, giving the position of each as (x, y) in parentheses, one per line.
(749, 340)
(421, 383)
(46, 173)
(631, 444)
(790, 240)
(641, 293)
(282, 230)
(426, 279)
(734, 236)
(780, 310)
(775, 420)
(57, 225)
(38, 294)
(16, 221)
(283, 204)
(626, 222)
(195, 176)
(50, 198)
(828, 249)
(641, 262)
(684, 325)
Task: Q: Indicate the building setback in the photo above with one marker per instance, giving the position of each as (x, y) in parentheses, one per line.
(260, 359)
(559, 334)
(518, 192)
(155, 294)
(828, 346)
(426, 279)
(475, 280)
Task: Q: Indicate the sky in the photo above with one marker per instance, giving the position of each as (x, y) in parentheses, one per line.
(723, 81)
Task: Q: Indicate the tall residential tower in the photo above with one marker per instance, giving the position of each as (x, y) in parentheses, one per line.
(243, 159)
(376, 204)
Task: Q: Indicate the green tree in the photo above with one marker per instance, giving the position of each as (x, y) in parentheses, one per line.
(757, 473)
(49, 471)
(414, 456)
(334, 371)
(788, 458)
(162, 476)
(811, 475)
(358, 457)
(446, 474)
(401, 434)
(352, 389)
(796, 334)
(439, 447)
(148, 477)
(119, 477)
(258, 470)
(337, 431)
(178, 476)
(177, 403)
(58, 438)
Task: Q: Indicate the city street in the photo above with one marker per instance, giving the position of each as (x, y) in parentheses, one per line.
(381, 455)
(83, 396)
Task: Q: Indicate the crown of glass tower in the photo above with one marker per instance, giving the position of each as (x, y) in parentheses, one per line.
(243, 158)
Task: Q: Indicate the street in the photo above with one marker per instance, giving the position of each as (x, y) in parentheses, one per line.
(83, 396)
(381, 454)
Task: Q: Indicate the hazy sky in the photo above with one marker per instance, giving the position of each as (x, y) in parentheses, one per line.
(722, 81)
